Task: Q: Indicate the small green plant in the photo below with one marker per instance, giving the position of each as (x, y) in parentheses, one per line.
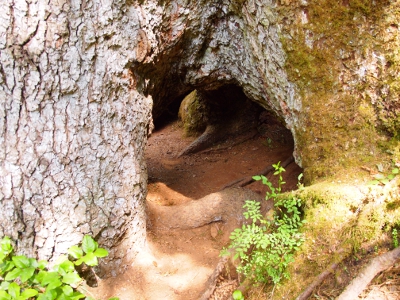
(383, 179)
(237, 295)
(24, 278)
(266, 247)
(395, 238)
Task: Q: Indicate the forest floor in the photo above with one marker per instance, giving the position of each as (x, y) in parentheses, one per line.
(179, 262)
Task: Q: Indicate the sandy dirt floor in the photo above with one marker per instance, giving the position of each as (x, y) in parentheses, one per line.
(180, 261)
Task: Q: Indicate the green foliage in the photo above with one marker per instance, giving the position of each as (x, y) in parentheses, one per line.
(266, 246)
(237, 295)
(24, 278)
(383, 179)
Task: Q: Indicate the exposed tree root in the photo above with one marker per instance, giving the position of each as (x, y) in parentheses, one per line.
(249, 179)
(243, 139)
(377, 265)
(212, 280)
(321, 277)
(220, 206)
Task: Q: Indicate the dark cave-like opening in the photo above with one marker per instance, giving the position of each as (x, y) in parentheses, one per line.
(235, 137)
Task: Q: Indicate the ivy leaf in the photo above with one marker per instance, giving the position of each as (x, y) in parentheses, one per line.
(71, 278)
(14, 290)
(4, 285)
(90, 259)
(67, 290)
(21, 261)
(6, 246)
(42, 264)
(101, 252)
(26, 274)
(29, 293)
(65, 267)
(13, 274)
(88, 244)
(75, 252)
(48, 277)
(4, 295)
(54, 283)
(79, 262)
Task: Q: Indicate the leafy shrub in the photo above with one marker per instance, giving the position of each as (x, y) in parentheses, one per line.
(24, 278)
(266, 246)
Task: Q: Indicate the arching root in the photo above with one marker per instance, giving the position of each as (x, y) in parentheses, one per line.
(220, 206)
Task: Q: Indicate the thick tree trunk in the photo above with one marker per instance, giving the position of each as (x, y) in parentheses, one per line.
(78, 78)
(72, 130)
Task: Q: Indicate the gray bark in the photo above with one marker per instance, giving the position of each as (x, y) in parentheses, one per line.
(72, 128)
(75, 86)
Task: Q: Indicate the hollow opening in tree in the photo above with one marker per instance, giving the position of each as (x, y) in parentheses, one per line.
(207, 139)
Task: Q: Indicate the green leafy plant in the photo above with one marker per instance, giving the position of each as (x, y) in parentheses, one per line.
(24, 278)
(383, 179)
(237, 295)
(266, 246)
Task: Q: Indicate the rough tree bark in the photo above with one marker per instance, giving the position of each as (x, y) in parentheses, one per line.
(78, 79)
(72, 129)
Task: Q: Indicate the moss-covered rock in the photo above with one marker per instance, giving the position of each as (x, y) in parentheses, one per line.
(192, 113)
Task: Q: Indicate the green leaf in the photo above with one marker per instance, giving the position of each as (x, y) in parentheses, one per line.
(101, 252)
(257, 177)
(49, 277)
(4, 295)
(395, 171)
(78, 262)
(33, 263)
(29, 293)
(90, 259)
(42, 264)
(237, 295)
(14, 289)
(67, 290)
(26, 274)
(88, 244)
(71, 278)
(54, 283)
(21, 261)
(114, 298)
(4, 285)
(75, 252)
(9, 265)
(13, 274)
(67, 266)
(6, 245)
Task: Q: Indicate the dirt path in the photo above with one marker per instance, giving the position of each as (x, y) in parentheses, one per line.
(181, 261)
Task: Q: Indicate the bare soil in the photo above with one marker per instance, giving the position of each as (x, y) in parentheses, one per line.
(179, 262)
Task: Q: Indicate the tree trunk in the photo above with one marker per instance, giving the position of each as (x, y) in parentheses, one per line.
(72, 128)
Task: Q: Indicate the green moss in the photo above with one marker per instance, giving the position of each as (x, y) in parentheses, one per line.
(345, 115)
(192, 113)
(342, 220)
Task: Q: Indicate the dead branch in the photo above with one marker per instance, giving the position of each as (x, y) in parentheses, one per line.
(249, 179)
(377, 265)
